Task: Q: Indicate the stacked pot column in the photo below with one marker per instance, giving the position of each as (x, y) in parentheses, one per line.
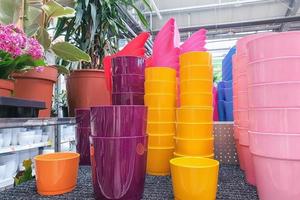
(274, 111)
(118, 142)
(83, 132)
(194, 135)
(241, 61)
(160, 97)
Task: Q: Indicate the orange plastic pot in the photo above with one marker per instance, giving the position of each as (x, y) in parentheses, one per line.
(56, 173)
(177, 155)
(6, 87)
(195, 58)
(37, 85)
(87, 88)
(158, 160)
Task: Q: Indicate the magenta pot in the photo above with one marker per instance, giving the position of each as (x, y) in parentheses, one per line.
(128, 83)
(83, 145)
(119, 121)
(82, 116)
(128, 98)
(128, 65)
(118, 167)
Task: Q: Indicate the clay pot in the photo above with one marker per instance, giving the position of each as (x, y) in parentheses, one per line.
(87, 88)
(6, 87)
(37, 85)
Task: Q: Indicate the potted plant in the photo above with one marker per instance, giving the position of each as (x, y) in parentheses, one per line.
(95, 29)
(38, 84)
(18, 53)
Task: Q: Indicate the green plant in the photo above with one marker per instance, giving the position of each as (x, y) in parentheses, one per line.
(25, 175)
(96, 27)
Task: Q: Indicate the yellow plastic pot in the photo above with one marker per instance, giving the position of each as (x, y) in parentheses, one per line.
(161, 128)
(160, 100)
(160, 74)
(196, 72)
(196, 99)
(161, 140)
(177, 155)
(160, 87)
(195, 114)
(158, 161)
(194, 147)
(194, 178)
(195, 58)
(194, 130)
(196, 86)
(161, 115)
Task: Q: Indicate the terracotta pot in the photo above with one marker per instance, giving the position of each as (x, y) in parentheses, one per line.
(87, 88)
(6, 87)
(37, 85)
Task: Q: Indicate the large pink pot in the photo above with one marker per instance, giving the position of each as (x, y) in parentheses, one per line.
(277, 163)
(281, 69)
(238, 147)
(282, 120)
(242, 100)
(242, 82)
(249, 166)
(242, 119)
(274, 45)
(283, 94)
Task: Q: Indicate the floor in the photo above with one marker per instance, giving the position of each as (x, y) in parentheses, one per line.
(231, 187)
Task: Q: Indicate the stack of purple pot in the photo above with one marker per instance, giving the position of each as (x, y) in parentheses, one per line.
(128, 77)
(118, 151)
(83, 131)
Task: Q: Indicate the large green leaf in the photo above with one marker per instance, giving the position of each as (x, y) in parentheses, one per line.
(32, 20)
(69, 52)
(62, 69)
(54, 9)
(43, 38)
(9, 11)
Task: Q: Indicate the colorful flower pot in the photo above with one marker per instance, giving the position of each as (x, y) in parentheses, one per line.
(194, 130)
(160, 74)
(160, 100)
(128, 98)
(196, 86)
(83, 145)
(158, 160)
(195, 58)
(128, 83)
(82, 116)
(6, 87)
(195, 115)
(196, 99)
(160, 87)
(128, 65)
(196, 72)
(194, 147)
(161, 115)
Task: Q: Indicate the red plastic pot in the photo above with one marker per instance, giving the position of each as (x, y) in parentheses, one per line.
(87, 88)
(37, 85)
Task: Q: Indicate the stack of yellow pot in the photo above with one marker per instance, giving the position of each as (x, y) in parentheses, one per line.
(160, 97)
(194, 136)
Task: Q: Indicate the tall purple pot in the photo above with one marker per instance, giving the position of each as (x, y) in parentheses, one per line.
(83, 145)
(119, 121)
(128, 65)
(82, 116)
(118, 167)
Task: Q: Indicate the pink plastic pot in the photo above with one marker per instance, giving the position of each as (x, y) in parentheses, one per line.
(274, 45)
(242, 101)
(242, 82)
(274, 70)
(242, 118)
(282, 120)
(243, 136)
(277, 161)
(235, 115)
(242, 63)
(249, 166)
(238, 147)
(275, 145)
(283, 94)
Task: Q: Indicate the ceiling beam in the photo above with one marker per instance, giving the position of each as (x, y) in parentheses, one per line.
(209, 6)
(292, 10)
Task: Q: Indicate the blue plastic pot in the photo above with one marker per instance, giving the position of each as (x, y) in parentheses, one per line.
(221, 110)
(228, 94)
(228, 110)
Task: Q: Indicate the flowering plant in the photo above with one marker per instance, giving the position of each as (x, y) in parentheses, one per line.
(17, 51)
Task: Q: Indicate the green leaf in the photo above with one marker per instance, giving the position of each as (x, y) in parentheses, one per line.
(62, 69)
(43, 38)
(69, 52)
(54, 9)
(9, 11)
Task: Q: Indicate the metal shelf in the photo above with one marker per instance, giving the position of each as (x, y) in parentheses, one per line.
(31, 122)
(23, 147)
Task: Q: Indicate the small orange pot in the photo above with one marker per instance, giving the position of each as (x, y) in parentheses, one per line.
(37, 85)
(86, 88)
(6, 87)
(56, 173)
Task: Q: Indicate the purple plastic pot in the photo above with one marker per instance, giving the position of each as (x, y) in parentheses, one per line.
(119, 121)
(118, 167)
(82, 116)
(128, 98)
(128, 83)
(83, 145)
(128, 65)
